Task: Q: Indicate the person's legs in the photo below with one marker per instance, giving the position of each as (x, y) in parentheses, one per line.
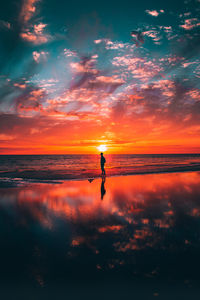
(103, 171)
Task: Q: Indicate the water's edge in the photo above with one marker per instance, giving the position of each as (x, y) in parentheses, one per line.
(13, 181)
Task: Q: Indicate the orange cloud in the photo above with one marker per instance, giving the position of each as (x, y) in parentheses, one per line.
(190, 24)
(28, 10)
(35, 34)
(154, 13)
(32, 33)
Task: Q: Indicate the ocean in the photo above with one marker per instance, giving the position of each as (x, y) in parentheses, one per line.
(65, 167)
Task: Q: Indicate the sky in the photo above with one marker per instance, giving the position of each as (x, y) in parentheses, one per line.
(76, 75)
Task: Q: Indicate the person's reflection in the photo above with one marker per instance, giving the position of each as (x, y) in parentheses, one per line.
(103, 191)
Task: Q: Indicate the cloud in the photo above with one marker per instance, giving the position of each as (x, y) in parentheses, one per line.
(40, 56)
(28, 10)
(140, 68)
(30, 100)
(190, 24)
(154, 13)
(154, 34)
(110, 45)
(69, 53)
(36, 34)
(138, 37)
(6, 137)
(84, 70)
(106, 83)
(20, 85)
(5, 25)
(32, 31)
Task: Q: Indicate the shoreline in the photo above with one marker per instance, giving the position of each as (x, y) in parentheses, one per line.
(12, 182)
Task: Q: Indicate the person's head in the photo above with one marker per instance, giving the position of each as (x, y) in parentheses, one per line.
(101, 153)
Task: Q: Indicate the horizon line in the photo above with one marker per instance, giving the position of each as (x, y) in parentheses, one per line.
(186, 153)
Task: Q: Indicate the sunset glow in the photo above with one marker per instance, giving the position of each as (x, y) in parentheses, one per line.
(102, 148)
(81, 78)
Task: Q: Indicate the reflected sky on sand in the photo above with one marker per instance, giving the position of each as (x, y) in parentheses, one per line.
(138, 229)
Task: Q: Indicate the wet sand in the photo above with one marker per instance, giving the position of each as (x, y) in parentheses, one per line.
(128, 237)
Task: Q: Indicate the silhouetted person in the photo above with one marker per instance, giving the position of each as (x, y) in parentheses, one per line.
(103, 160)
(103, 191)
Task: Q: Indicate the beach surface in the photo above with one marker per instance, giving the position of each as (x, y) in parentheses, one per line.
(130, 237)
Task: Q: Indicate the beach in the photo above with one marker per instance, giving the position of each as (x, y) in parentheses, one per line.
(130, 237)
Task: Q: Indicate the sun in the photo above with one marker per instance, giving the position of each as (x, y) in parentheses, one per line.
(102, 148)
